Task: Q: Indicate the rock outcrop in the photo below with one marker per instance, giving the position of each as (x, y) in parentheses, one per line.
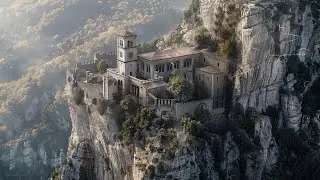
(276, 66)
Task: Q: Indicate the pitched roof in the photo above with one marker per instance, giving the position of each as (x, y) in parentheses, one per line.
(126, 33)
(169, 53)
(209, 69)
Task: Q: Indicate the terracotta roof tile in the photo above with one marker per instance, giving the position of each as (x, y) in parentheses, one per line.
(169, 53)
(209, 69)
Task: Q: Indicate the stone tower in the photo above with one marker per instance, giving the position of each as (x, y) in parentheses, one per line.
(127, 53)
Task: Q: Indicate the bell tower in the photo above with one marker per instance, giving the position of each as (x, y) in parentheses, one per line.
(127, 53)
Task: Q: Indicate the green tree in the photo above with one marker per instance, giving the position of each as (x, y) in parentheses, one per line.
(192, 127)
(180, 88)
(102, 66)
(134, 130)
(130, 104)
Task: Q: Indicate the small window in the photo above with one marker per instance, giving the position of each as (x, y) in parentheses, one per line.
(130, 54)
(160, 68)
(121, 43)
(187, 62)
(218, 64)
(217, 79)
(121, 54)
(130, 73)
(185, 75)
(142, 66)
(204, 59)
(177, 65)
(148, 68)
(131, 44)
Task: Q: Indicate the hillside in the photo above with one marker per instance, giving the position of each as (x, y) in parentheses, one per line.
(39, 40)
(271, 128)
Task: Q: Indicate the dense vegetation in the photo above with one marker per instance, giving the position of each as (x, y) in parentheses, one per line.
(181, 88)
(102, 66)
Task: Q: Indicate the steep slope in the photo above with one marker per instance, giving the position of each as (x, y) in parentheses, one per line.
(39, 40)
(272, 131)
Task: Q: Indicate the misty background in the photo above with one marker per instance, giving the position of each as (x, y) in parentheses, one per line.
(39, 40)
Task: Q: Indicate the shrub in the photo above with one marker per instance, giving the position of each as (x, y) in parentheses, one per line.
(130, 104)
(192, 127)
(102, 66)
(134, 129)
(181, 89)
(128, 130)
(224, 48)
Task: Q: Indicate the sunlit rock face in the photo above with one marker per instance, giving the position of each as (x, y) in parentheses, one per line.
(267, 37)
(39, 40)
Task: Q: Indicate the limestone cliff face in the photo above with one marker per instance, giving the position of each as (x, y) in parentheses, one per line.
(276, 74)
(93, 151)
(268, 34)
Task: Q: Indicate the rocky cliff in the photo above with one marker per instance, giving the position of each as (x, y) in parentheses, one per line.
(272, 130)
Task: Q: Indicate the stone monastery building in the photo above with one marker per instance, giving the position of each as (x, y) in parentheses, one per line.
(146, 75)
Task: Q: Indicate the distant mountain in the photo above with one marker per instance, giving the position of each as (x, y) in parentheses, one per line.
(39, 39)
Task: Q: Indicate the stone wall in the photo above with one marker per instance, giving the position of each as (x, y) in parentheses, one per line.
(189, 107)
(91, 90)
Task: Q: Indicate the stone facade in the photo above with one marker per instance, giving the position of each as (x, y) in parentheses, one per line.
(146, 75)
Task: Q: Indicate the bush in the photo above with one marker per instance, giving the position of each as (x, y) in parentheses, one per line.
(130, 104)
(224, 48)
(135, 129)
(193, 127)
(182, 89)
(102, 66)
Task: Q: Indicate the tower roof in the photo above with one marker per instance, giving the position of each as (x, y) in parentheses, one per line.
(126, 33)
